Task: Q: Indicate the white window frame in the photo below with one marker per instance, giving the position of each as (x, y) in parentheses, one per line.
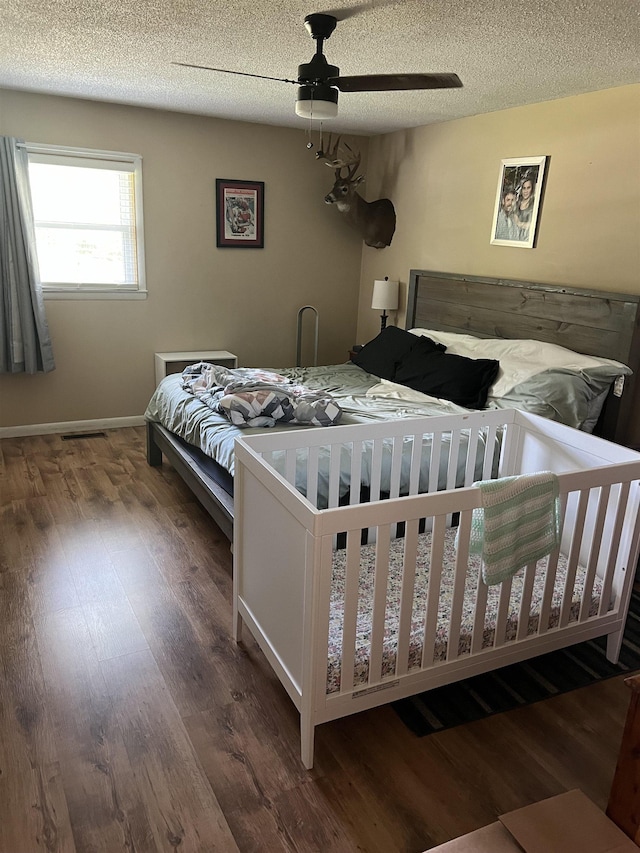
(90, 158)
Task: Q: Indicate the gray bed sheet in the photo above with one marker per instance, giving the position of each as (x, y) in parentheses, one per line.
(183, 414)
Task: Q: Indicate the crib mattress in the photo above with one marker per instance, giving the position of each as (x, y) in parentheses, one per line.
(396, 558)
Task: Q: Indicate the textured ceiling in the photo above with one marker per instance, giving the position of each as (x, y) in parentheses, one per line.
(507, 53)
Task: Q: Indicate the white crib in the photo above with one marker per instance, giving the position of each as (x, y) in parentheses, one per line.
(348, 626)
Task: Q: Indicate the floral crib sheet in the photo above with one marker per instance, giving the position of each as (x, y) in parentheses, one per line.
(392, 614)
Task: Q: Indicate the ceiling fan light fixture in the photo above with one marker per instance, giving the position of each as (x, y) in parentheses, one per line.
(318, 102)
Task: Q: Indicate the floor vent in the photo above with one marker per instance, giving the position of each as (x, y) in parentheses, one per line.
(72, 435)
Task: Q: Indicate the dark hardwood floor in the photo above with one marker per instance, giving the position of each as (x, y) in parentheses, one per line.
(129, 719)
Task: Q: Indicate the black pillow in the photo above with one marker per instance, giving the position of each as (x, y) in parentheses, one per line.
(382, 355)
(465, 381)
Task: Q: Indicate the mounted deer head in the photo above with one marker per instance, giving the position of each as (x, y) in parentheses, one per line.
(375, 220)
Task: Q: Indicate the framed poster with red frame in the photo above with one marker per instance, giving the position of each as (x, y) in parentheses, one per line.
(239, 214)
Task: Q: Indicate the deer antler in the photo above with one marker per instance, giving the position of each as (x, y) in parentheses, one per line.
(350, 159)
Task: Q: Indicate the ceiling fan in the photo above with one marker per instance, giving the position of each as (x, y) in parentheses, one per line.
(319, 83)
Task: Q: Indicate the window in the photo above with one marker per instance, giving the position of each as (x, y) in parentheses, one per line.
(87, 210)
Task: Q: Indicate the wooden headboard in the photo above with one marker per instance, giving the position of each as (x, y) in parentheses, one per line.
(593, 322)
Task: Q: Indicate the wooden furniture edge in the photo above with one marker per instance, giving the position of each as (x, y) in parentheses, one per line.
(624, 800)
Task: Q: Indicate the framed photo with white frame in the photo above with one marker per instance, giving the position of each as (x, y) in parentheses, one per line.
(517, 207)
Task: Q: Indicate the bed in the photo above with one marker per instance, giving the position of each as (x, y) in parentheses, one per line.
(590, 322)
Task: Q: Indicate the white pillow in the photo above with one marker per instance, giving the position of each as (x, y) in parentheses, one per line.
(522, 359)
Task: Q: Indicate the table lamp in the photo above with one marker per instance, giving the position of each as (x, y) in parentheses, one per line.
(385, 297)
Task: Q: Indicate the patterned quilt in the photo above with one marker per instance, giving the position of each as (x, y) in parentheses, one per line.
(258, 398)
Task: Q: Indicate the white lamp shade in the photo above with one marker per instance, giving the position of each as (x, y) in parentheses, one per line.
(317, 102)
(385, 295)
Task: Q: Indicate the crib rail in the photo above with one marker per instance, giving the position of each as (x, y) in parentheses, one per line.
(334, 467)
(455, 616)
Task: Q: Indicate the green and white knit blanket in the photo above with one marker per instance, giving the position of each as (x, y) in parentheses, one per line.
(517, 524)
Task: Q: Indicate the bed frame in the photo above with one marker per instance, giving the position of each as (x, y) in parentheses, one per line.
(285, 545)
(593, 322)
(194, 468)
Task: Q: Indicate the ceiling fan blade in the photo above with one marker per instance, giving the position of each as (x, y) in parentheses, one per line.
(240, 73)
(394, 82)
(345, 12)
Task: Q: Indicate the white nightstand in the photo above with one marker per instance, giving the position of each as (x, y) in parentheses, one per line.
(175, 362)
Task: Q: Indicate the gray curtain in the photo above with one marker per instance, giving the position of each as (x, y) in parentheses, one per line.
(25, 345)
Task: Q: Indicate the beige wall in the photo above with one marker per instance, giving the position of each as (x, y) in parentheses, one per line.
(202, 297)
(443, 180)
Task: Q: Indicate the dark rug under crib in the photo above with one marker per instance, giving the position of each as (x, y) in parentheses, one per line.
(521, 683)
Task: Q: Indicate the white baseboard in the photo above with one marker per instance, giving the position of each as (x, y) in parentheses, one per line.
(71, 426)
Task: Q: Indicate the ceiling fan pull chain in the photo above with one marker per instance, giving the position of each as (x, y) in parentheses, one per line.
(320, 151)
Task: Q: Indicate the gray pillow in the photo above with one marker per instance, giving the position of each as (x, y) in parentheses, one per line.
(571, 397)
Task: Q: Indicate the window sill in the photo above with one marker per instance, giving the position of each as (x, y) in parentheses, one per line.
(94, 294)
